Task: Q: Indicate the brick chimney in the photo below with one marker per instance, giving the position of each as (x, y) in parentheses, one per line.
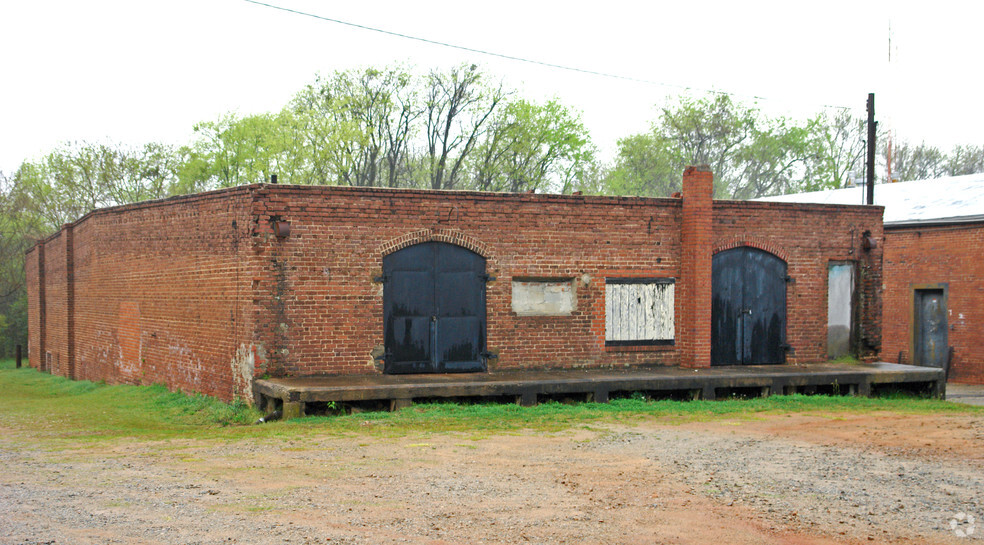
(695, 281)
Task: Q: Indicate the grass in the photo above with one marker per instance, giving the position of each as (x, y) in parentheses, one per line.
(56, 408)
(66, 414)
(554, 416)
(848, 359)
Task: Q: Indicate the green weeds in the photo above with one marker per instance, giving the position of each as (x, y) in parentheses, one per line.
(61, 413)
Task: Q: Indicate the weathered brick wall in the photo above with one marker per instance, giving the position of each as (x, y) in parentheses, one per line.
(32, 268)
(162, 295)
(200, 293)
(808, 237)
(696, 253)
(950, 254)
(56, 305)
(323, 311)
(319, 280)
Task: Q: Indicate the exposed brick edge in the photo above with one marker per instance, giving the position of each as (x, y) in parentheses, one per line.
(744, 240)
(450, 236)
(806, 206)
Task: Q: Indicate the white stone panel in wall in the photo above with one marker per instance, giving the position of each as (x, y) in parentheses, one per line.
(543, 298)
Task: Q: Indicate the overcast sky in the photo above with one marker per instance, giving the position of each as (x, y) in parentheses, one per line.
(136, 71)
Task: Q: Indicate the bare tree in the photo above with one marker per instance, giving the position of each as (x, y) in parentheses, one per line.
(457, 109)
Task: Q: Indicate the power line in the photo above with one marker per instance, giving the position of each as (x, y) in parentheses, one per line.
(513, 57)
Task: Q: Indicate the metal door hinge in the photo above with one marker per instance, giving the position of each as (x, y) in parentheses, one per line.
(489, 355)
(381, 278)
(790, 279)
(487, 278)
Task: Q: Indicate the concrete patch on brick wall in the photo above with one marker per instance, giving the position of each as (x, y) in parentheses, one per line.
(534, 297)
(376, 357)
(243, 367)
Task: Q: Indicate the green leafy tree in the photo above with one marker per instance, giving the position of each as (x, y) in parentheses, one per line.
(709, 131)
(750, 154)
(836, 149)
(916, 162)
(964, 160)
(646, 165)
(772, 161)
(357, 126)
(77, 178)
(532, 147)
(19, 230)
(240, 150)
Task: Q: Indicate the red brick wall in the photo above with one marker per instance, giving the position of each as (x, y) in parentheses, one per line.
(324, 314)
(175, 292)
(696, 233)
(319, 280)
(56, 305)
(162, 295)
(32, 266)
(953, 255)
(808, 237)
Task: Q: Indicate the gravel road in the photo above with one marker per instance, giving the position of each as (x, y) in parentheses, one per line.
(778, 480)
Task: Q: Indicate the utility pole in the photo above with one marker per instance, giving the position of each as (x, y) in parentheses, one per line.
(872, 130)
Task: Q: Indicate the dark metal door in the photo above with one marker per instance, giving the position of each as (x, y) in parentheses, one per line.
(748, 312)
(931, 328)
(434, 309)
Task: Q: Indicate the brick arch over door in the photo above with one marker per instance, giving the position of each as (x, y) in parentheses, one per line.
(450, 236)
(739, 241)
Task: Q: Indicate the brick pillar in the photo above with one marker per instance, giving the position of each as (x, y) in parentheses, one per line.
(42, 360)
(695, 270)
(70, 297)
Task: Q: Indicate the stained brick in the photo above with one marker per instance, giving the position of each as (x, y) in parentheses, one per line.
(198, 293)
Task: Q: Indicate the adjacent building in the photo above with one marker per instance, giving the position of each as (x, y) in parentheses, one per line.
(933, 289)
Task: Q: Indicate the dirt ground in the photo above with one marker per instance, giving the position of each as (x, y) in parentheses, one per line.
(798, 479)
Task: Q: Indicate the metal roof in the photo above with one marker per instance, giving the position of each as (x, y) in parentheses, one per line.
(954, 199)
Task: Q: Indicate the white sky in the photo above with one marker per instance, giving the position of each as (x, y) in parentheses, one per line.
(136, 71)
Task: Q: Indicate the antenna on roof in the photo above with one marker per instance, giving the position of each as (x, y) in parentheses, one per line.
(872, 137)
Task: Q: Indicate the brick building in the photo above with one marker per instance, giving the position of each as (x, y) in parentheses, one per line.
(207, 292)
(933, 295)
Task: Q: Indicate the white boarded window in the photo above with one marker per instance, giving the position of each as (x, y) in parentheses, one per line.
(639, 311)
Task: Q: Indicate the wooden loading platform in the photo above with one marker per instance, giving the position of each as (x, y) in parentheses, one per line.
(294, 394)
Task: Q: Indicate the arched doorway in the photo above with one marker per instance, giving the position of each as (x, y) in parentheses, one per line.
(748, 312)
(434, 309)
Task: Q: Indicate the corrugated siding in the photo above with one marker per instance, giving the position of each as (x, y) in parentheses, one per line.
(639, 312)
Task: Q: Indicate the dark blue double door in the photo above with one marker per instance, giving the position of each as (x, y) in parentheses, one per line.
(434, 309)
(748, 312)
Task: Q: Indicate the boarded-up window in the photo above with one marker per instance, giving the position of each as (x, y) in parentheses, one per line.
(639, 311)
